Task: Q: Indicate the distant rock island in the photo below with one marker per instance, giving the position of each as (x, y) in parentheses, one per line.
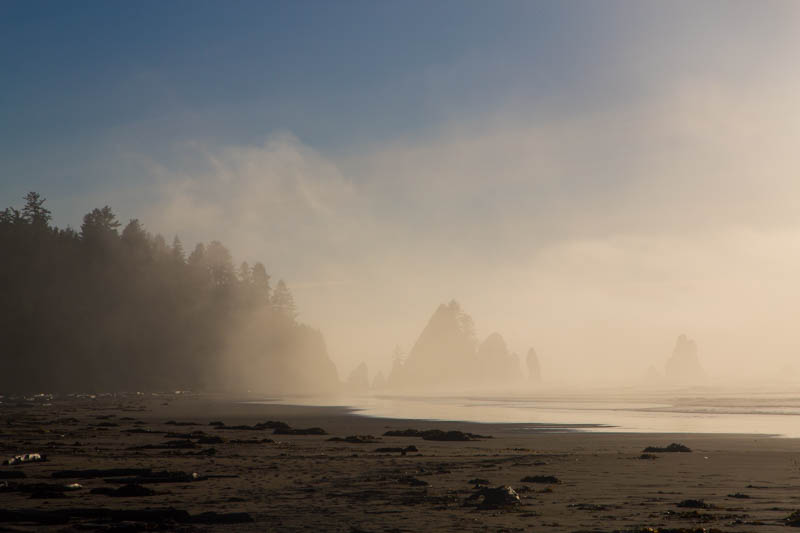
(448, 356)
(534, 370)
(358, 380)
(683, 367)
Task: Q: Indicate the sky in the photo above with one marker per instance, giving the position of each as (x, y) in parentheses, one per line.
(588, 178)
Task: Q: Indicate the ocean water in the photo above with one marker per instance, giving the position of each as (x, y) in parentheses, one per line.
(706, 411)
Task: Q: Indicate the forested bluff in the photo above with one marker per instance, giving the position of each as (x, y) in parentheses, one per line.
(113, 308)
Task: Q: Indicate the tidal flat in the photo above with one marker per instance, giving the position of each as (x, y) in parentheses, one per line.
(187, 462)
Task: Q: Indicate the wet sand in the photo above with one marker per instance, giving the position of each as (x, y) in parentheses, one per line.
(245, 482)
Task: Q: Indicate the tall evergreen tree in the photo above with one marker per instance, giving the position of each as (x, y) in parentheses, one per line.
(283, 301)
(178, 254)
(134, 236)
(245, 273)
(220, 265)
(261, 284)
(99, 228)
(198, 255)
(34, 211)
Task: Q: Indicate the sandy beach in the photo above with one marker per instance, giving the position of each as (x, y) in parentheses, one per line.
(205, 463)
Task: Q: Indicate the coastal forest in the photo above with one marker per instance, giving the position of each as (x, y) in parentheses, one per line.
(115, 308)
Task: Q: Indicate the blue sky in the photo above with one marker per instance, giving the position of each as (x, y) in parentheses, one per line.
(83, 79)
(544, 162)
(86, 78)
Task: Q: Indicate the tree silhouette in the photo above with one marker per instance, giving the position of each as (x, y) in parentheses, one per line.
(99, 223)
(178, 254)
(245, 273)
(220, 265)
(261, 286)
(100, 310)
(283, 301)
(135, 237)
(34, 211)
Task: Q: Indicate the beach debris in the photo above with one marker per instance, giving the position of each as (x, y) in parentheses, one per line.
(96, 473)
(401, 451)
(66, 420)
(411, 480)
(211, 517)
(694, 504)
(540, 479)
(694, 516)
(40, 491)
(272, 424)
(589, 506)
(672, 448)
(193, 435)
(297, 431)
(160, 516)
(210, 439)
(207, 451)
(131, 490)
(269, 424)
(436, 434)
(502, 497)
(356, 439)
(670, 530)
(182, 444)
(793, 520)
(158, 477)
(25, 458)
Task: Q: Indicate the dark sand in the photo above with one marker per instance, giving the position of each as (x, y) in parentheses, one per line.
(308, 483)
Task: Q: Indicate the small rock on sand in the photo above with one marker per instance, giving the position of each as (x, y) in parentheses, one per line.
(672, 448)
(540, 479)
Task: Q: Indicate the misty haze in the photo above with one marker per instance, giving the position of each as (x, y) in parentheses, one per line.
(399, 266)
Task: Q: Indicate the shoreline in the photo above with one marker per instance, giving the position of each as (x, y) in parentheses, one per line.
(590, 481)
(568, 414)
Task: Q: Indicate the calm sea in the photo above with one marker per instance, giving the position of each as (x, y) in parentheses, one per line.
(690, 411)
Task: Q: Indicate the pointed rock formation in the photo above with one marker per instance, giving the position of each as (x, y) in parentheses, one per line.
(495, 364)
(447, 356)
(442, 355)
(358, 380)
(652, 375)
(683, 367)
(379, 381)
(534, 371)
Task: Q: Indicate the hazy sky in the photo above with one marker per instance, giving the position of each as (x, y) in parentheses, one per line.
(589, 178)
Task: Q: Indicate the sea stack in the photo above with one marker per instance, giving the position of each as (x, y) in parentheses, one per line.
(683, 367)
(358, 380)
(534, 371)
